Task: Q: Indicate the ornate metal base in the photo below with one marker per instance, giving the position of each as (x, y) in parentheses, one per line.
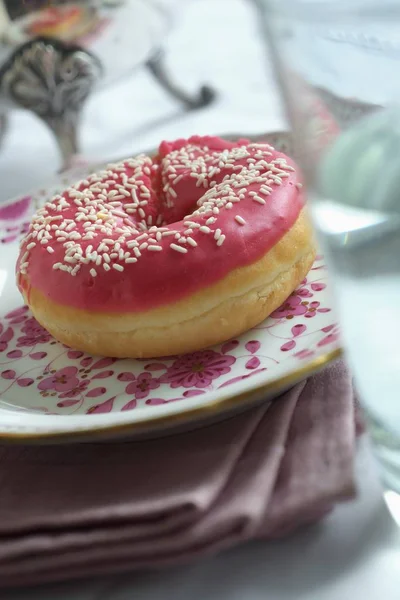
(205, 96)
(3, 127)
(53, 81)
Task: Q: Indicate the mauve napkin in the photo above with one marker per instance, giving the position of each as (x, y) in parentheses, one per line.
(72, 511)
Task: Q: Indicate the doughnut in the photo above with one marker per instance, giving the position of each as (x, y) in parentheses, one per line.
(167, 254)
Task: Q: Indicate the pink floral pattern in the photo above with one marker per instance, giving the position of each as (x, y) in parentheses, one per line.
(64, 381)
(197, 370)
(141, 386)
(34, 334)
(71, 382)
(294, 306)
(14, 219)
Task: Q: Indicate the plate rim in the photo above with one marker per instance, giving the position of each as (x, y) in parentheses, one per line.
(273, 387)
(161, 423)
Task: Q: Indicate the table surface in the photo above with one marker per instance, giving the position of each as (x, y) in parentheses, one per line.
(355, 553)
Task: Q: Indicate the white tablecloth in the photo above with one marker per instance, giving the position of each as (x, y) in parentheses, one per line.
(355, 554)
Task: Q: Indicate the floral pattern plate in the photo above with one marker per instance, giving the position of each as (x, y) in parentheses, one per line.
(51, 392)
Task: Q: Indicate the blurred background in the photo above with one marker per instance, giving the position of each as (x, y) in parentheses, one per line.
(215, 43)
(91, 81)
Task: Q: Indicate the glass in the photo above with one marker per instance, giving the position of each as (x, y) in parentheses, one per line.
(338, 67)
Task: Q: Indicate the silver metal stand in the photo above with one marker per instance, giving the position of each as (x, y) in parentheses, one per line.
(53, 80)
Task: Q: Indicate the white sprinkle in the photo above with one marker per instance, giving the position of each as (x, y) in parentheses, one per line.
(65, 268)
(99, 260)
(299, 186)
(213, 171)
(142, 236)
(190, 224)
(106, 267)
(93, 256)
(217, 234)
(117, 213)
(154, 248)
(131, 244)
(210, 221)
(57, 266)
(205, 229)
(259, 200)
(123, 191)
(191, 241)
(228, 205)
(93, 272)
(178, 248)
(177, 179)
(240, 220)
(265, 191)
(31, 245)
(50, 250)
(143, 246)
(220, 240)
(130, 260)
(141, 212)
(118, 267)
(137, 252)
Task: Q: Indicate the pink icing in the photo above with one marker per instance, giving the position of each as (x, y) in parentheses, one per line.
(174, 184)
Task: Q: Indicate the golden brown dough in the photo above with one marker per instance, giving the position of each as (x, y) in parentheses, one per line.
(238, 302)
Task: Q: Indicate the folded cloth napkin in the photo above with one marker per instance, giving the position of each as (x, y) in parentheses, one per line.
(79, 510)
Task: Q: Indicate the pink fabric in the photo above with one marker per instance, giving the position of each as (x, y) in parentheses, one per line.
(72, 511)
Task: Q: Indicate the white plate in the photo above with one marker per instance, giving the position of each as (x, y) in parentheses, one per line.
(49, 392)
